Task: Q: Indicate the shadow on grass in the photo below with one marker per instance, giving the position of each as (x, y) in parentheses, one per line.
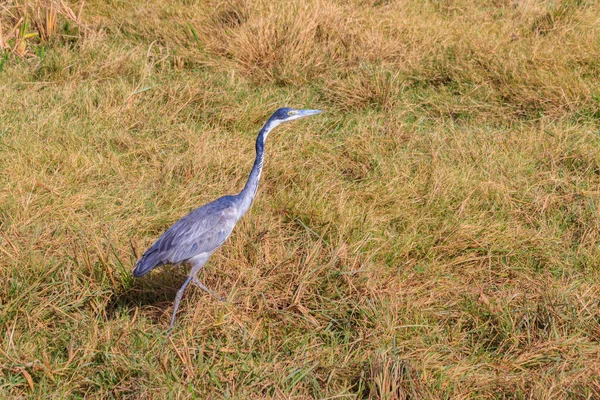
(157, 289)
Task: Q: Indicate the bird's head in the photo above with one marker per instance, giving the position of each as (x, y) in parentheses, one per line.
(284, 115)
(289, 114)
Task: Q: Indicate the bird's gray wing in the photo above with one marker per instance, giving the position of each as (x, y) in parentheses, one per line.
(201, 231)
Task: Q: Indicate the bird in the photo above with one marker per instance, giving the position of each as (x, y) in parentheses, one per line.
(193, 239)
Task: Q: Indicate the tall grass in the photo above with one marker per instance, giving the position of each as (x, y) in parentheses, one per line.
(434, 234)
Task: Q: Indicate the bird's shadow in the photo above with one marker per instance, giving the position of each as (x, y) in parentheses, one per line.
(157, 290)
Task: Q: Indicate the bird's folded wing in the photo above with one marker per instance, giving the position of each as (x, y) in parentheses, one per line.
(201, 231)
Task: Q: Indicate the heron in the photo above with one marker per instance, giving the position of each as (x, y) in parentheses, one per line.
(194, 238)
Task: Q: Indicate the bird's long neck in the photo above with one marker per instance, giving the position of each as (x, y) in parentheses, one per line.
(249, 192)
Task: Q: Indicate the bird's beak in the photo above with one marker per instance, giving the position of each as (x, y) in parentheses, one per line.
(306, 113)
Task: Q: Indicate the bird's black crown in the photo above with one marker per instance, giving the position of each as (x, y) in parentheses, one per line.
(283, 113)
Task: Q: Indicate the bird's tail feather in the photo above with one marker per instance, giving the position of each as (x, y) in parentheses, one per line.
(145, 264)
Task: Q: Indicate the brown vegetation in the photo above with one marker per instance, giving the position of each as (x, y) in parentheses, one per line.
(434, 234)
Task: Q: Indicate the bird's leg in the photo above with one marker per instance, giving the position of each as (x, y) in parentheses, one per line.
(201, 286)
(178, 299)
(194, 274)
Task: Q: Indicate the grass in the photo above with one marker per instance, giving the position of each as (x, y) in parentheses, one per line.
(434, 234)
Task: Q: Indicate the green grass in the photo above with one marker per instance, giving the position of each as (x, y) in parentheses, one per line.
(434, 234)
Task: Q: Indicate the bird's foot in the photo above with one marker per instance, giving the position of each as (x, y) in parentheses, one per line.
(203, 287)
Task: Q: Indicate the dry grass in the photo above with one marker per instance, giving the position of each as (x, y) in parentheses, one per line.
(31, 25)
(435, 234)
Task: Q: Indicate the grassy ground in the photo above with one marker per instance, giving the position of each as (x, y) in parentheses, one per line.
(434, 234)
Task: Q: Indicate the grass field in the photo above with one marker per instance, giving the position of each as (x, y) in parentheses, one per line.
(434, 234)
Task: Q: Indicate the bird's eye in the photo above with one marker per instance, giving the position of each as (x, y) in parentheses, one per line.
(293, 112)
